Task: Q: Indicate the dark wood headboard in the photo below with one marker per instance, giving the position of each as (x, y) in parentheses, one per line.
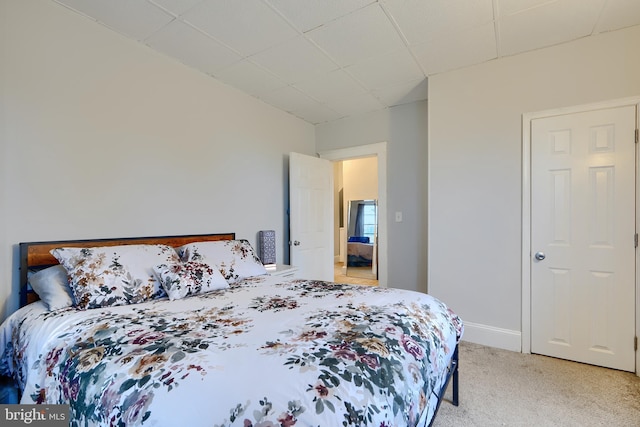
(36, 255)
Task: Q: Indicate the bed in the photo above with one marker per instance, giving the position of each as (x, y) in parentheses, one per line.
(256, 350)
(360, 252)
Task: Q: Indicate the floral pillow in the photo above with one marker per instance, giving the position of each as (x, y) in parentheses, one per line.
(180, 279)
(114, 275)
(236, 259)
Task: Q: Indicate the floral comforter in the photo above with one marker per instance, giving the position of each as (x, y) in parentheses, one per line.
(265, 352)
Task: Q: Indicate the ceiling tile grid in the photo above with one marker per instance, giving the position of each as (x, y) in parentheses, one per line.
(423, 19)
(306, 15)
(192, 47)
(251, 77)
(175, 7)
(333, 85)
(137, 19)
(295, 60)
(358, 36)
(618, 14)
(322, 60)
(247, 26)
(548, 24)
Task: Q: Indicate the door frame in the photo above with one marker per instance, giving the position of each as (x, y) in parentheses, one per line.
(378, 150)
(527, 118)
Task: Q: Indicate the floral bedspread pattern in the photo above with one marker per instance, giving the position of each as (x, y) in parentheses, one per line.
(265, 352)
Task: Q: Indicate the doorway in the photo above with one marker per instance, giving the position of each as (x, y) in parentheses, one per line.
(579, 258)
(377, 151)
(356, 220)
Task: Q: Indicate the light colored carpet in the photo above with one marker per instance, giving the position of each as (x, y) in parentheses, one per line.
(504, 388)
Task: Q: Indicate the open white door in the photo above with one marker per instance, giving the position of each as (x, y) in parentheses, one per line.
(311, 216)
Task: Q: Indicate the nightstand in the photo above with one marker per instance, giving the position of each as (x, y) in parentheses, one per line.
(8, 390)
(283, 270)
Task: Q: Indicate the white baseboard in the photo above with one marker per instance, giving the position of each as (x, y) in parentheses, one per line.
(505, 339)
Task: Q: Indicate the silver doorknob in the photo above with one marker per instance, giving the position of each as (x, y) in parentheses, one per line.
(296, 243)
(540, 256)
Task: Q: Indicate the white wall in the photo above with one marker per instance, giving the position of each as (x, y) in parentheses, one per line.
(360, 179)
(102, 137)
(475, 168)
(404, 128)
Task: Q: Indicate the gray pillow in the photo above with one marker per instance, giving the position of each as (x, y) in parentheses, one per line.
(52, 286)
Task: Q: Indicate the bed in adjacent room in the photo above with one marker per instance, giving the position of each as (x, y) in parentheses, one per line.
(360, 252)
(191, 330)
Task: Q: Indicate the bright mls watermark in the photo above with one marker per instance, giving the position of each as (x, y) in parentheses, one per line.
(34, 415)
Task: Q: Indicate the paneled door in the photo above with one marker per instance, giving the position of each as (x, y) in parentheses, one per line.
(582, 236)
(311, 216)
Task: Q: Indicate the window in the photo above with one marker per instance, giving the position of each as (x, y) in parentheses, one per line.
(363, 219)
(369, 222)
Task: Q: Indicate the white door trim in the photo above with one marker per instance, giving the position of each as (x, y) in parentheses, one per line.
(379, 150)
(526, 209)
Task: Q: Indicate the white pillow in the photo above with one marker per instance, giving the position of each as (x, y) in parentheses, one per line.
(114, 275)
(52, 286)
(236, 259)
(180, 279)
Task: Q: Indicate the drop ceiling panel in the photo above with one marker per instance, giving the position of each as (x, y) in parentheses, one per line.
(457, 50)
(357, 37)
(619, 14)
(248, 26)
(192, 47)
(295, 60)
(137, 19)
(176, 7)
(385, 70)
(306, 15)
(335, 84)
(419, 20)
(509, 7)
(289, 99)
(250, 78)
(316, 114)
(353, 105)
(547, 25)
(403, 93)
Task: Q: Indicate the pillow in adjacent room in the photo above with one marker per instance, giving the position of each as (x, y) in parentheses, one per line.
(236, 259)
(52, 286)
(114, 275)
(180, 279)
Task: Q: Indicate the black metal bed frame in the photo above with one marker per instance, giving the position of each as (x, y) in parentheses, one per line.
(452, 373)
